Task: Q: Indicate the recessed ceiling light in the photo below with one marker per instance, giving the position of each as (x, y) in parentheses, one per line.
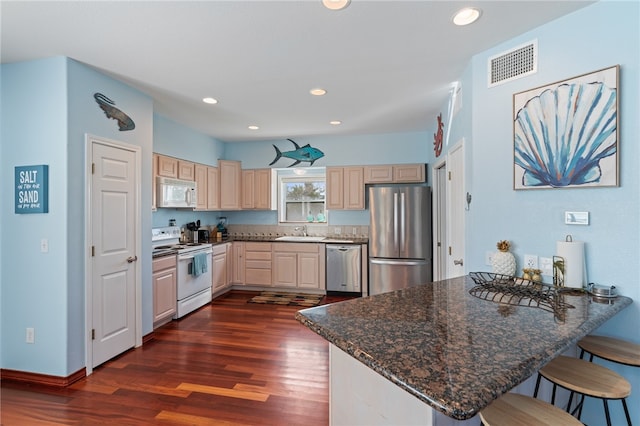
(209, 100)
(253, 127)
(335, 122)
(318, 92)
(335, 4)
(466, 16)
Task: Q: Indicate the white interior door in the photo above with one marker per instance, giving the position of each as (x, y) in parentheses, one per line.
(456, 198)
(114, 201)
(440, 242)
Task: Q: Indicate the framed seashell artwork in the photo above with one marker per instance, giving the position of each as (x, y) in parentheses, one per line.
(565, 134)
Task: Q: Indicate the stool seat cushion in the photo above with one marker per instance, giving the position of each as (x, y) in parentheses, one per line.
(612, 349)
(519, 410)
(586, 378)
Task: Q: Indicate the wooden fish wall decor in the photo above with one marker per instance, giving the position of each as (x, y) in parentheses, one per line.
(306, 153)
(437, 137)
(107, 105)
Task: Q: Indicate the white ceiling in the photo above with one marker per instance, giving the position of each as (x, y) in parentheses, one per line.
(387, 66)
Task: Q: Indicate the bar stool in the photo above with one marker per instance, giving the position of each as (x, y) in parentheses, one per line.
(587, 379)
(513, 409)
(611, 349)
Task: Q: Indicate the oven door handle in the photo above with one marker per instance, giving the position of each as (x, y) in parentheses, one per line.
(189, 256)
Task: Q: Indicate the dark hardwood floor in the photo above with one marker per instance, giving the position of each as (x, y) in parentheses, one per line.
(230, 363)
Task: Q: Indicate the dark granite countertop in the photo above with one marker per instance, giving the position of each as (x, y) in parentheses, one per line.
(452, 350)
(272, 239)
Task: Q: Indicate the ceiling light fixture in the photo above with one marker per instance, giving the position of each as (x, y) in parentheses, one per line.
(335, 4)
(211, 101)
(253, 127)
(466, 16)
(335, 122)
(318, 92)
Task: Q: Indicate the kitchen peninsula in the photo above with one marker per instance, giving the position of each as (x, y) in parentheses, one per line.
(445, 347)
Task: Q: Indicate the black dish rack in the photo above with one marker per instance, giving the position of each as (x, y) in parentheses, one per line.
(515, 291)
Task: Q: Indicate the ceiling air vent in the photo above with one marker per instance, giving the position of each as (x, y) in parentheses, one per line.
(513, 64)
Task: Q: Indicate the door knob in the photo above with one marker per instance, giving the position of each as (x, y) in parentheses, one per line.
(132, 259)
(457, 262)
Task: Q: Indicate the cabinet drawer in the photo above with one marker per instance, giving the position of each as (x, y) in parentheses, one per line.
(258, 264)
(257, 255)
(296, 247)
(219, 249)
(258, 276)
(164, 262)
(248, 246)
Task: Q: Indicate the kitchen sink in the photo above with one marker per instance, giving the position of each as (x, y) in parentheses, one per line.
(299, 238)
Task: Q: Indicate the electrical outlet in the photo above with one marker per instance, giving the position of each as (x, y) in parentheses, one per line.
(355, 230)
(31, 335)
(546, 266)
(530, 261)
(488, 257)
(44, 245)
(337, 230)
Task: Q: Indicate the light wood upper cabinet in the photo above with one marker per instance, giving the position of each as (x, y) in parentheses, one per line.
(186, 170)
(153, 182)
(394, 173)
(345, 188)
(262, 189)
(230, 184)
(248, 188)
(335, 188)
(201, 185)
(167, 166)
(256, 189)
(213, 188)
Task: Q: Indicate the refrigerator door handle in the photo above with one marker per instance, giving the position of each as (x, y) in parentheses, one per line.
(402, 222)
(396, 262)
(395, 222)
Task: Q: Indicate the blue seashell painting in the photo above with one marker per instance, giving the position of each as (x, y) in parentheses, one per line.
(566, 136)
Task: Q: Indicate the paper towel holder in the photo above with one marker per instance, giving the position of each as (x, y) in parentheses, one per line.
(558, 271)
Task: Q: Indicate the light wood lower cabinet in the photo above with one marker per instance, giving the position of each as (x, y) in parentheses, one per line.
(164, 289)
(299, 265)
(219, 267)
(257, 263)
(237, 262)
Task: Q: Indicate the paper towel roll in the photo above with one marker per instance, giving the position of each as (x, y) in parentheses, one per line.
(575, 274)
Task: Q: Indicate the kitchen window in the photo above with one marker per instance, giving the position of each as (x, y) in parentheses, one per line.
(302, 196)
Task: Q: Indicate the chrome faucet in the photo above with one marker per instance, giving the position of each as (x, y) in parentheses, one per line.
(301, 228)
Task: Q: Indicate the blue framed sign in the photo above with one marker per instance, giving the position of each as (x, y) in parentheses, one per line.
(32, 189)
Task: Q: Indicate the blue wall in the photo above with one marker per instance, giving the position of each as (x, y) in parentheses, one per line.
(47, 107)
(590, 39)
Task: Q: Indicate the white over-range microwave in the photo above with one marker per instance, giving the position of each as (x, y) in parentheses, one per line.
(175, 193)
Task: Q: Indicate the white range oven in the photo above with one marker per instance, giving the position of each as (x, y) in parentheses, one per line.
(193, 287)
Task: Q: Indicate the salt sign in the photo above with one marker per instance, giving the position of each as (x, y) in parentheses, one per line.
(32, 189)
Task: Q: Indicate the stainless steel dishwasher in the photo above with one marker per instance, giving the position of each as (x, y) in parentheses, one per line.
(343, 268)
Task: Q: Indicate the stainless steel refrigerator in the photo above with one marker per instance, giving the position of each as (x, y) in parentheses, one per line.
(399, 237)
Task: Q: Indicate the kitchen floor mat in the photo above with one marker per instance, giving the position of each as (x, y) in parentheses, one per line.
(290, 299)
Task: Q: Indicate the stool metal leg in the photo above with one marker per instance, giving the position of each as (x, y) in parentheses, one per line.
(535, 392)
(606, 411)
(626, 411)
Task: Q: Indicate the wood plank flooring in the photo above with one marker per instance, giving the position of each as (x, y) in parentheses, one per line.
(230, 363)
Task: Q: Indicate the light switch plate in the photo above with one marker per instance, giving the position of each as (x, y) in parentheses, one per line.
(576, 218)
